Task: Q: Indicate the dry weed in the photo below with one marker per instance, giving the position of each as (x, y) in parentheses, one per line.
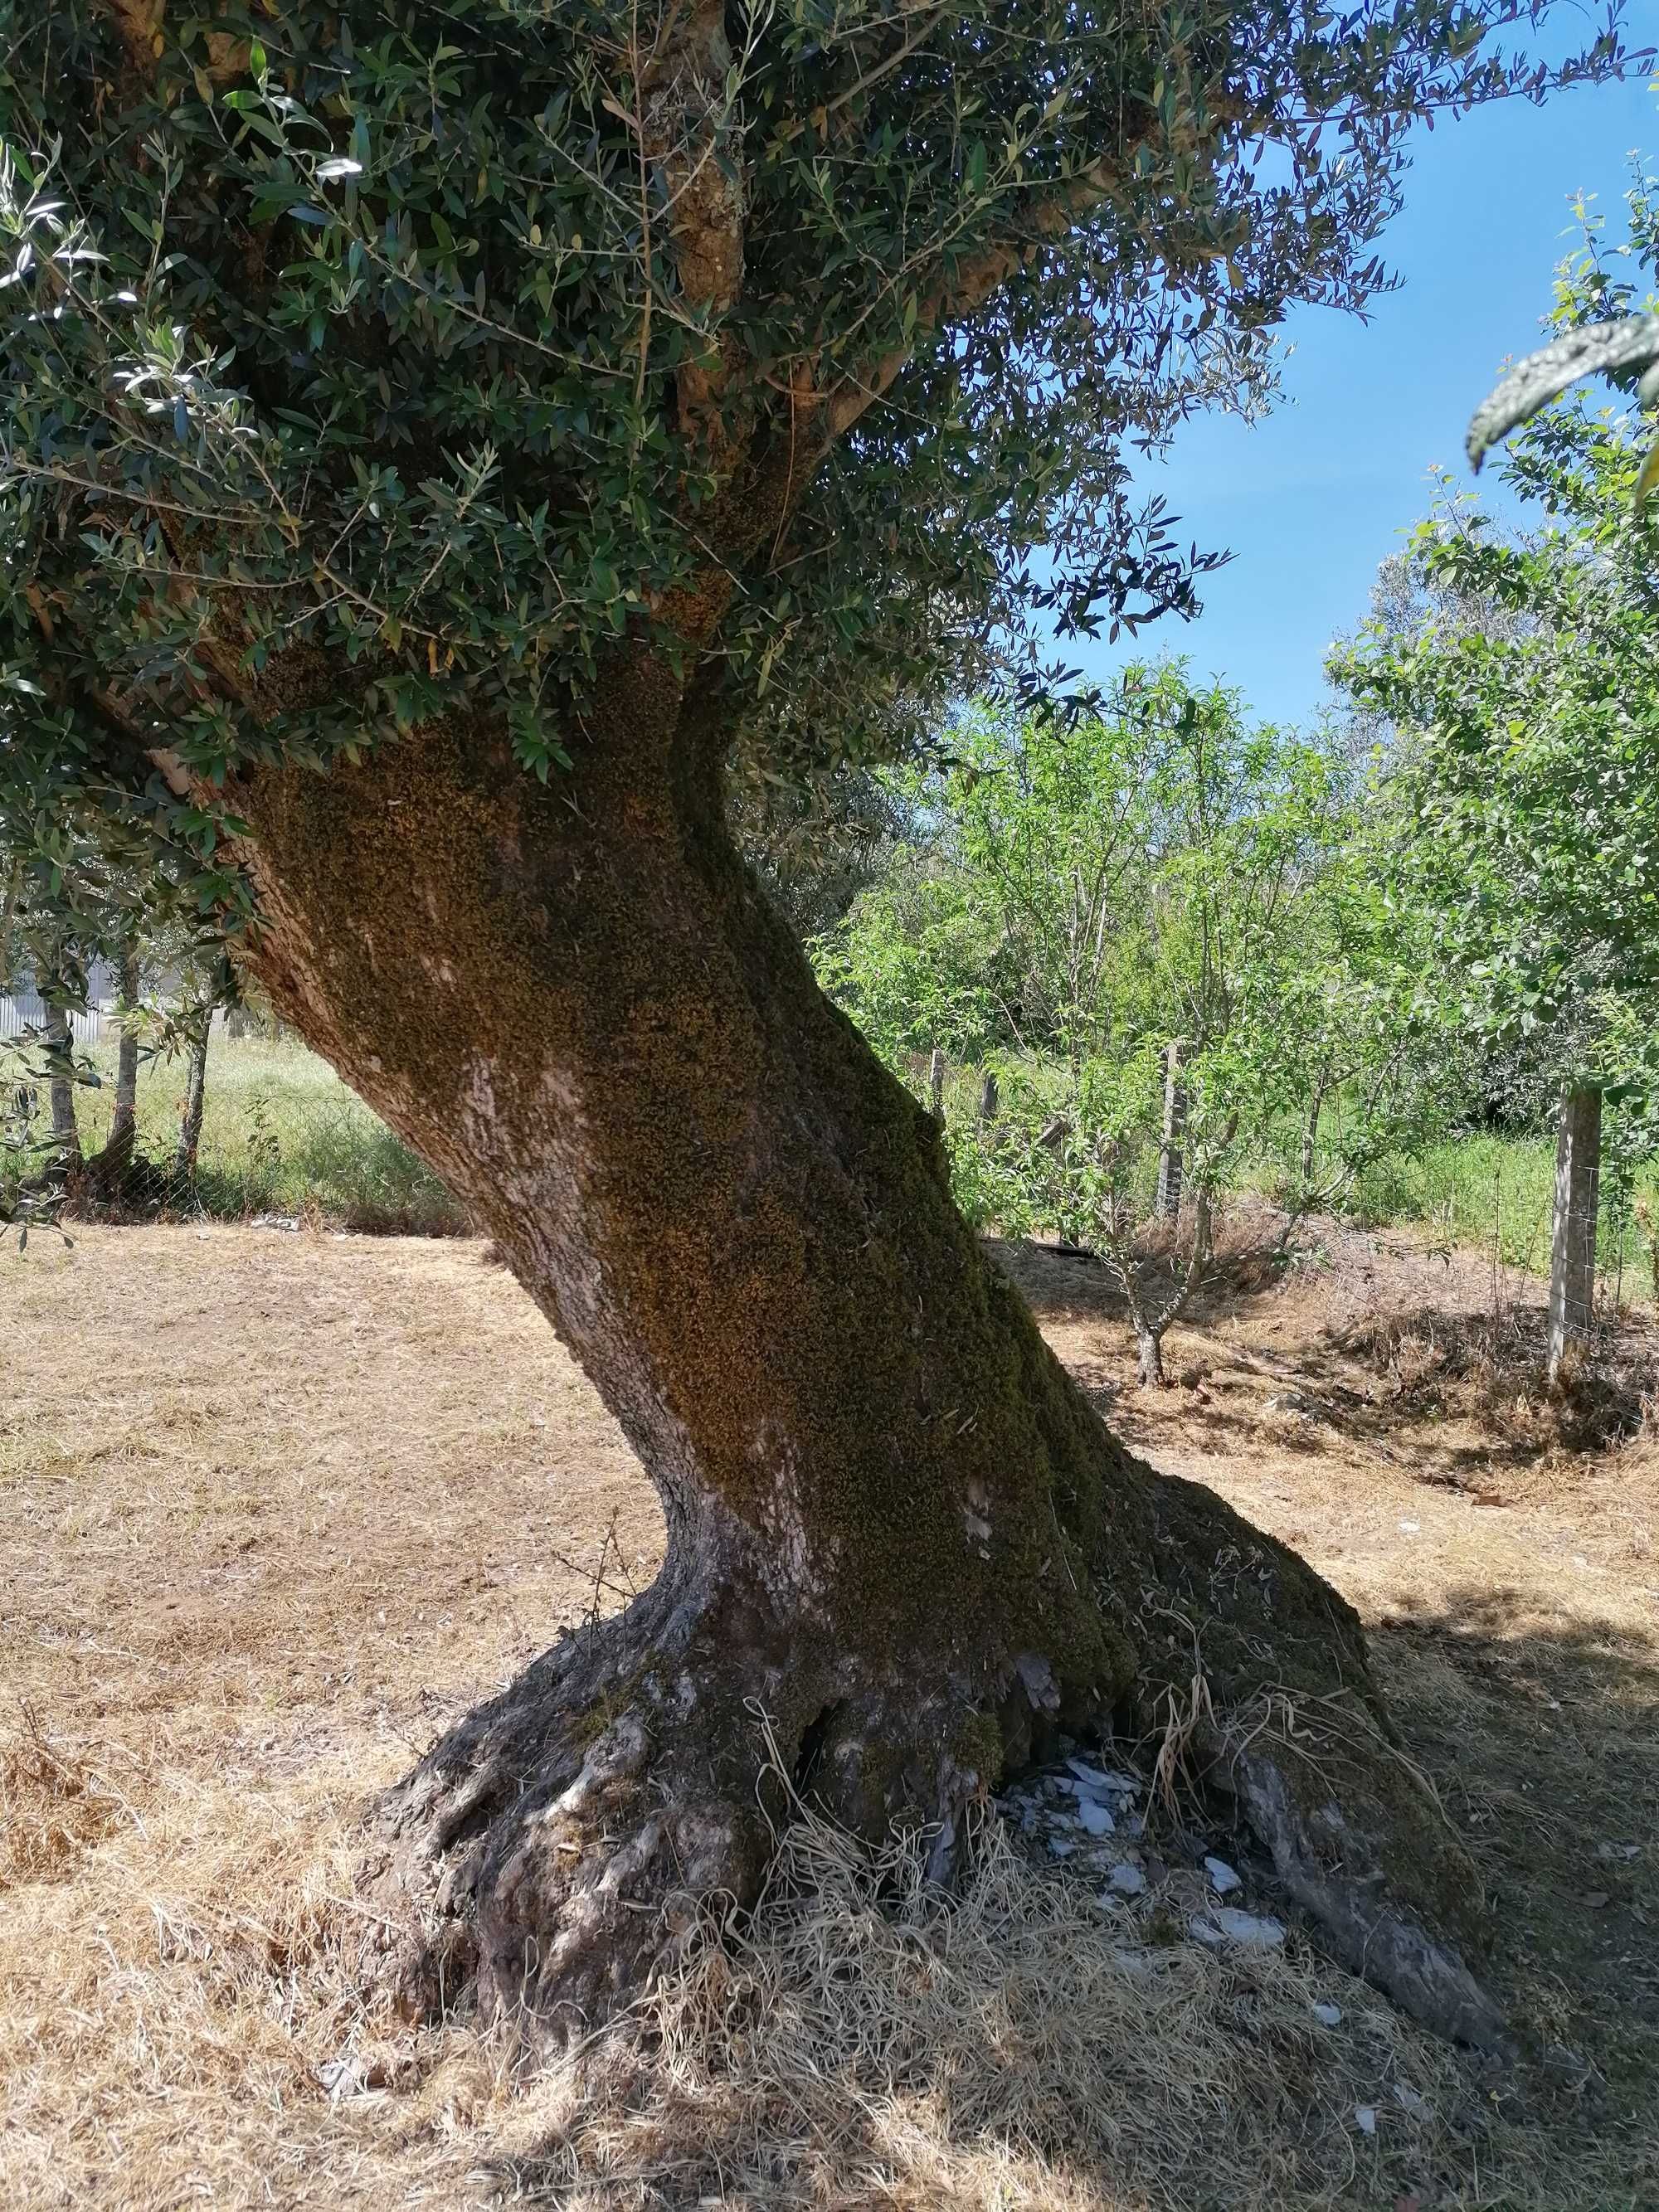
(53, 1806)
(865, 2041)
(1489, 1368)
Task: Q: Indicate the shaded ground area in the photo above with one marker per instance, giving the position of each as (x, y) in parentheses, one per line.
(273, 1506)
(1380, 1408)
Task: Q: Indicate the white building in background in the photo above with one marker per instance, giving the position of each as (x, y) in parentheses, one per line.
(22, 1006)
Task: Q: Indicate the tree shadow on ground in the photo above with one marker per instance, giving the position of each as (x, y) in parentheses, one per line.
(1542, 1736)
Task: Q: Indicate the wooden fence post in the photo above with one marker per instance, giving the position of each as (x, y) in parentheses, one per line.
(1572, 1239)
(988, 1100)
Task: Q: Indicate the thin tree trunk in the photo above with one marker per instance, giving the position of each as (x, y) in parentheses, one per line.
(190, 1125)
(59, 1038)
(936, 1086)
(988, 1100)
(124, 1123)
(894, 1525)
(1152, 1328)
(1572, 1241)
(108, 1168)
(1169, 1162)
(1310, 1138)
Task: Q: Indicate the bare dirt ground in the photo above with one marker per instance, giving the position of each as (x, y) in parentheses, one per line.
(272, 1507)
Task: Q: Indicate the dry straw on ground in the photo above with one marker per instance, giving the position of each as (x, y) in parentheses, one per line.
(272, 1506)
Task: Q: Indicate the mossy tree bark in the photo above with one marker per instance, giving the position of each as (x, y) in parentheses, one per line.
(894, 1525)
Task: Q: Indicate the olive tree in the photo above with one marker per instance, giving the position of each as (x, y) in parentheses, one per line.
(70, 901)
(437, 442)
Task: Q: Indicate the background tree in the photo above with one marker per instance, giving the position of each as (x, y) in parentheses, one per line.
(88, 897)
(69, 907)
(1160, 927)
(1521, 689)
(430, 454)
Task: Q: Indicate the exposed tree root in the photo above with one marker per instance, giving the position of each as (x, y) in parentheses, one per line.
(547, 1858)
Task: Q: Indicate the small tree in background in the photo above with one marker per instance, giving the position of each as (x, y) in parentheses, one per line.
(1160, 927)
(94, 898)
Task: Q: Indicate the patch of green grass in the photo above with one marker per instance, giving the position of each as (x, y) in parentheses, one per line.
(1499, 1191)
(279, 1133)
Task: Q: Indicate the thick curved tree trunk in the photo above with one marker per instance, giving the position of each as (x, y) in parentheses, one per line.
(894, 1525)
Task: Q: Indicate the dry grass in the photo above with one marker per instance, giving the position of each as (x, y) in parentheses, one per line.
(863, 2045)
(273, 1506)
(1490, 1366)
(52, 1807)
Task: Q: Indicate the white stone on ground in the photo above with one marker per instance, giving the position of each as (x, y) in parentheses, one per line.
(1095, 1819)
(1128, 1880)
(1222, 1880)
(1094, 1777)
(1327, 2015)
(1254, 1931)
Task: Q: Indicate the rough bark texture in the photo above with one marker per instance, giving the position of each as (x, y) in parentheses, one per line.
(106, 1170)
(65, 1130)
(1572, 1239)
(189, 1123)
(894, 1525)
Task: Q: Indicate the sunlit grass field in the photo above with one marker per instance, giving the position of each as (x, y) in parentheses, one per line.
(1497, 1193)
(281, 1134)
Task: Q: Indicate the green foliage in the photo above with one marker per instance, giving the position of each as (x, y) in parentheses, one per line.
(1073, 900)
(1522, 686)
(364, 364)
(814, 841)
(1497, 1194)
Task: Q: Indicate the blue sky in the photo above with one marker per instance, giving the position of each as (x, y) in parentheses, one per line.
(1313, 497)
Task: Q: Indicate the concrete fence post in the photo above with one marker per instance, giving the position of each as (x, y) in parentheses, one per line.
(1572, 1239)
(1174, 1126)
